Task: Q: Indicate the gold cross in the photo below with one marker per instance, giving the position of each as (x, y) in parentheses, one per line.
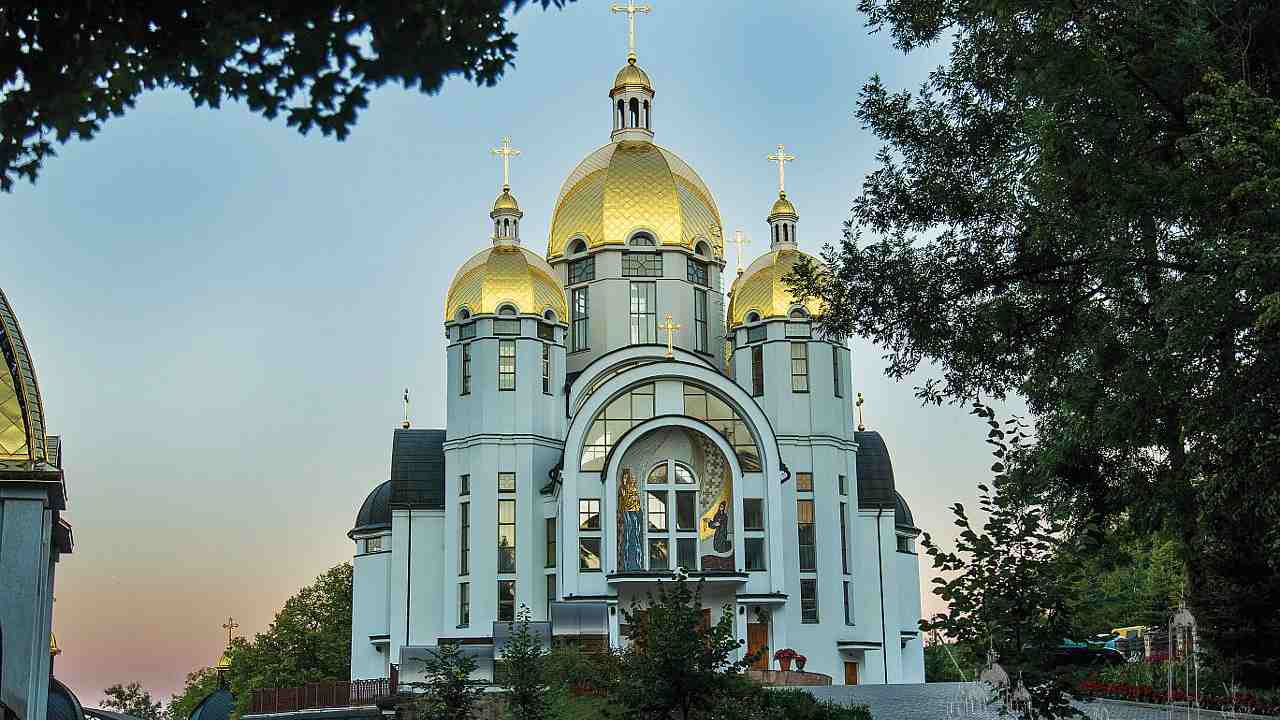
(631, 9)
(670, 327)
(781, 157)
(861, 427)
(740, 239)
(506, 152)
(230, 626)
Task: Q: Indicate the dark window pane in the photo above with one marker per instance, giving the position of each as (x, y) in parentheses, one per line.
(755, 553)
(687, 553)
(809, 601)
(589, 554)
(658, 554)
(686, 511)
(753, 513)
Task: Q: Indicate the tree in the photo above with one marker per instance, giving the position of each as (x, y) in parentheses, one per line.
(309, 640)
(676, 665)
(65, 67)
(132, 700)
(1008, 586)
(198, 685)
(449, 692)
(524, 675)
(1080, 208)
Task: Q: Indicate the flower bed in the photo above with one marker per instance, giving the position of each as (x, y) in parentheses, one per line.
(1242, 702)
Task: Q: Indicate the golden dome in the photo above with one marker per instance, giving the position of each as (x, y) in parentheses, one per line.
(627, 186)
(505, 274)
(22, 436)
(631, 76)
(761, 288)
(782, 206)
(505, 201)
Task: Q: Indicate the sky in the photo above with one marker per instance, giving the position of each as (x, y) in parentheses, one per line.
(223, 313)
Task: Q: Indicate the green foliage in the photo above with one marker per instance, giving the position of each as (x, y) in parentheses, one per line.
(950, 662)
(751, 702)
(197, 687)
(1131, 581)
(309, 640)
(673, 665)
(524, 676)
(449, 693)
(1007, 585)
(314, 62)
(132, 700)
(1080, 208)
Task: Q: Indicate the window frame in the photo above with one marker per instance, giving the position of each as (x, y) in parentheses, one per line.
(807, 550)
(507, 610)
(506, 375)
(757, 370)
(466, 369)
(836, 376)
(464, 538)
(809, 614)
(581, 270)
(763, 555)
(546, 368)
(599, 553)
(798, 386)
(642, 264)
(587, 512)
(464, 604)
(552, 543)
(701, 343)
(509, 502)
(746, 514)
(697, 272)
(643, 312)
(579, 319)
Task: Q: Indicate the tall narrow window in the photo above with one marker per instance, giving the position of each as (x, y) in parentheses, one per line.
(754, 547)
(464, 604)
(581, 325)
(644, 313)
(836, 375)
(464, 538)
(848, 603)
(843, 483)
(658, 511)
(506, 364)
(753, 513)
(466, 369)
(546, 368)
(635, 113)
(800, 367)
(551, 543)
(506, 536)
(808, 601)
(551, 592)
(464, 484)
(700, 320)
(806, 536)
(844, 537)
(506, 600)
(687, 510)
(757, 370)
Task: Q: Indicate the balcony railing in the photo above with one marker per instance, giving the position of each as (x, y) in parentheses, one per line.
(319, 695)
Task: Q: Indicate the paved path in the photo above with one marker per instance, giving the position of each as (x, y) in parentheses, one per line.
(945, 701)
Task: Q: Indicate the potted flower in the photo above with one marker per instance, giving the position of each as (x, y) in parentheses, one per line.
(784, 658)
(800, 662)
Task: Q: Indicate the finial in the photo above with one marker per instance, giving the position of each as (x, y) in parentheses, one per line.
(670, 327)
(506, 152)
(781, 157)
(861, 427)
(631, 9)
(230, 626)
(740, 239)
(54, 650)
(405, 423)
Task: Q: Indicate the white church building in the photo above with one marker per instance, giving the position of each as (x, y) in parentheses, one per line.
(613, 416)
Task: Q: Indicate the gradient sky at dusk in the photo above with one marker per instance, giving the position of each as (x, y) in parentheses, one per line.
(223, 313)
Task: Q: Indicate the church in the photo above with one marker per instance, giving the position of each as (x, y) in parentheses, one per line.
(614, 416)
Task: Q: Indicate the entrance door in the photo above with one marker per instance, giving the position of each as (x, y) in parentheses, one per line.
(758, 640)
(851, 673)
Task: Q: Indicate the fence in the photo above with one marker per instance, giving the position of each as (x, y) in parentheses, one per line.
(318, 695)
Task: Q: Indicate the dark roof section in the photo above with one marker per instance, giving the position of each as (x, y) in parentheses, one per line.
(902, 513)
(375, 512)
(217, 705)
(875, 472)
(417, 469)
(63, 704)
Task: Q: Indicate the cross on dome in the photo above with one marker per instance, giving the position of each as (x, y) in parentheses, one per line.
(782, 158)
(506, 152)
(740, 239)
(230, 626)
(631, 9)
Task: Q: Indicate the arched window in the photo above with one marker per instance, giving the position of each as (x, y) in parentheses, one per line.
(621, 121)
(463, 314)
(702, 249)
(753, 317)
(635, 113)
(643, 239)
(786, 233)
(549, 316)
(799, 314)
(507, 311)
(579, 246)
(775, 233)
(646, 114)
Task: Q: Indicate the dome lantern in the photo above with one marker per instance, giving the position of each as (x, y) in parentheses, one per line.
(782, 216)
(631, 99)
(506, 211)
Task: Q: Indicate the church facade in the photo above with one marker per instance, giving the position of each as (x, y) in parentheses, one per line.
(614, 417)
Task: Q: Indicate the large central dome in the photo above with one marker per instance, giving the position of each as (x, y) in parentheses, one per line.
(632, 185)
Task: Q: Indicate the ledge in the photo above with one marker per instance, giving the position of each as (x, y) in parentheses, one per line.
(634, 578)
(787, 678)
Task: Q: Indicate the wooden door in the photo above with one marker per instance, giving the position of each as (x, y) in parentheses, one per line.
(758, 639)
(851, 673)
(706, 619)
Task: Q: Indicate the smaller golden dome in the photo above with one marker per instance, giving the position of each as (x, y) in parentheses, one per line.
(761, 288)
(505, 274)
(631, 76)
(782, 206)
(506, 201)
(224, 662)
